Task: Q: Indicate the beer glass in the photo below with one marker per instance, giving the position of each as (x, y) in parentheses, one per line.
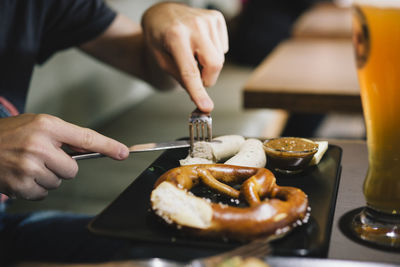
(376, 39)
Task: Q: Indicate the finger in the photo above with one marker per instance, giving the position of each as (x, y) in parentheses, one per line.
(35, 169)
(48, 180)
(37, 192)
(89, 140)
(215, 37)
(211, 62)
(222, 32)
(77, 149)
(167, 63)
(218, 31)
(190, 77)
(60, 164)
(30, 190)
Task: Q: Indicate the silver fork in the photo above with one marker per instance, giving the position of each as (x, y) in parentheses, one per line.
(200, 127)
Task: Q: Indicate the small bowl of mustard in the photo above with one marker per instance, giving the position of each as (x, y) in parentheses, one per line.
(289, 155)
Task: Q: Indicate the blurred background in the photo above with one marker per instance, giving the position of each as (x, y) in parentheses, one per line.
(80, 90)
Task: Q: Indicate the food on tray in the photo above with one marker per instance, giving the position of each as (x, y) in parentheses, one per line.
(233, 149)
(271, 209)
(195, 160)
(322, 147)
(243, 262)
(251, 154)
(290, 154)
(225, 147)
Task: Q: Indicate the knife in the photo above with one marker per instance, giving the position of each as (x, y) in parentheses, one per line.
(136, 149)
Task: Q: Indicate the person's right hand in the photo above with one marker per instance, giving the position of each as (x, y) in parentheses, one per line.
(32, 160)
(188, 43)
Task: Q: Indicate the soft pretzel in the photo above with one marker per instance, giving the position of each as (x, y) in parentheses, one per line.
(271, 209)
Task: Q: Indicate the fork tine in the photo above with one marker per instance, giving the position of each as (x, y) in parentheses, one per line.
(200, 127)
(191, 136)
(209, 132)
(203, 135)
(198, 130)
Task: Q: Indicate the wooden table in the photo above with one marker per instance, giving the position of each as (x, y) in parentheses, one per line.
(324, 20)
(354, 168)
(306, 75)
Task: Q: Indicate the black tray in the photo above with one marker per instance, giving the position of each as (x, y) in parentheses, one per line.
(128, 216)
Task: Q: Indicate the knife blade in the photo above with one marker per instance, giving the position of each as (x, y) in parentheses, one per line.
(136, 149)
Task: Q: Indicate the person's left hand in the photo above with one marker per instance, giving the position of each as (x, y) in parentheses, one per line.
(189, 43)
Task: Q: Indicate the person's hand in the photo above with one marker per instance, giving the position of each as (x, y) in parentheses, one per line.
(189, 43)
(32, 160)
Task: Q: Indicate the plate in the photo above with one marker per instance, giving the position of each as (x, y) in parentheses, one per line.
(129, 216)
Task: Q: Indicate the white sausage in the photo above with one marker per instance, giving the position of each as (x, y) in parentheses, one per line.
(212, 152)
(251, 154)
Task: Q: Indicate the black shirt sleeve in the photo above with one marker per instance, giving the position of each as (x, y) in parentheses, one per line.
(68, 23)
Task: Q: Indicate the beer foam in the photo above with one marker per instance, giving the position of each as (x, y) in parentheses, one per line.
(378, 3)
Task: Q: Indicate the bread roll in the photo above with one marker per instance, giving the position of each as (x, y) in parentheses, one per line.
(322, 147)
(181, 207)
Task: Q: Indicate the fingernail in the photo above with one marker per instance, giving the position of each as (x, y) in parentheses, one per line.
(123, 153)
(206, 105)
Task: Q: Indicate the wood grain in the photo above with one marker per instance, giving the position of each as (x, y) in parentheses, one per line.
(306, 75)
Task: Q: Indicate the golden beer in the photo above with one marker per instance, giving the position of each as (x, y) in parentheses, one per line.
(376, 37)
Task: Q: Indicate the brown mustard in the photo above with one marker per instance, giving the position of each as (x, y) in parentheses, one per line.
(291, 144)
(290, 154)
